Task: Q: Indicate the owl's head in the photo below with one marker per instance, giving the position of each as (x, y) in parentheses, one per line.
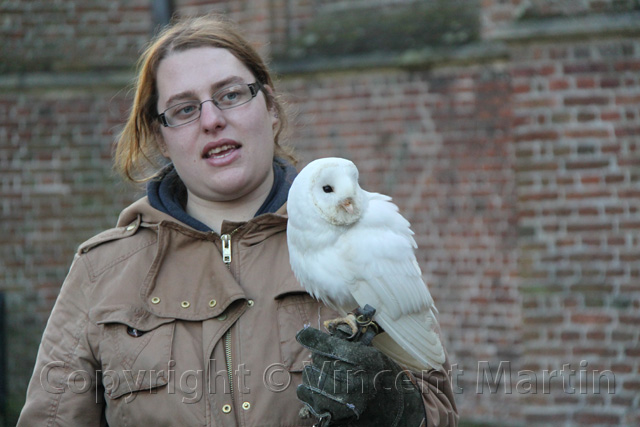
(331, 184)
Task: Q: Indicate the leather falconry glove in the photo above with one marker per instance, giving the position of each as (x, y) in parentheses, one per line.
(353, 384)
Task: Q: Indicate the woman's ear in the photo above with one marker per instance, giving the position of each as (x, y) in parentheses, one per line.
(271, 105)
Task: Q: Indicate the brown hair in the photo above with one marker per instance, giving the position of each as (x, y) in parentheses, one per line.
(138, 157)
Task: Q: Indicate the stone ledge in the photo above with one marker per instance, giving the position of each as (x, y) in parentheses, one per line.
(408, 60)
(569, 27)
(40, 80)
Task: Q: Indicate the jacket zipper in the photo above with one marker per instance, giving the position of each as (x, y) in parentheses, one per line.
(226, 258)
(226, 249)
(227, 352)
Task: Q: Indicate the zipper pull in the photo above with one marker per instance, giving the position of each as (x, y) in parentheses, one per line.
(226, 248)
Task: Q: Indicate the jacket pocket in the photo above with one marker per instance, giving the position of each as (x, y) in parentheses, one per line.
(296, 311)
(135, 350)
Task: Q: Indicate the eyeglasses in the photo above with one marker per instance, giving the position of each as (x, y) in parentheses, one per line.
(226, 98)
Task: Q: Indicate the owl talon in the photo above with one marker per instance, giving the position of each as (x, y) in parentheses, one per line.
(346, 325)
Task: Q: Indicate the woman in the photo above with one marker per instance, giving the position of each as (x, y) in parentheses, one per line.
(186, 313)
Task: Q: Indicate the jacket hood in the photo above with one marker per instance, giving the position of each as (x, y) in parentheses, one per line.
(168, 194)
(142, 211)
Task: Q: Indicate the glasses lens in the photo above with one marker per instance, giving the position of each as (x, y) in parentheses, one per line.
(182, 113)
(232, 96)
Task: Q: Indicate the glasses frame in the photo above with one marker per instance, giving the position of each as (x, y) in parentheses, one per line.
(253, 87)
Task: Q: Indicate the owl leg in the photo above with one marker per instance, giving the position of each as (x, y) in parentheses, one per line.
(347, 326)
(355, 326)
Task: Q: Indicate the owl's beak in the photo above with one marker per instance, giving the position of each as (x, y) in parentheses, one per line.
(347, 205)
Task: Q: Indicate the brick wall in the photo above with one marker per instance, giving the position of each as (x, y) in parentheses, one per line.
(57, 191)
(576, 116)
(63, 73)
(71, 35)
(516, 159)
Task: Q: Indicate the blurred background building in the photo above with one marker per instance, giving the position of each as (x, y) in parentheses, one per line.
(508, 132)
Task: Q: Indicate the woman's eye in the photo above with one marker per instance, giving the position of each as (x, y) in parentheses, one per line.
(185, 110)
(229, 97)
(327, 189)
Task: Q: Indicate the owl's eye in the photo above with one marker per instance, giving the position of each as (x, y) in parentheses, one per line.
(327, 189)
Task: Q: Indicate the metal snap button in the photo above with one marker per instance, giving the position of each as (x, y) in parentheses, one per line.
(185, 304)
(222, 317)
(251, 303)
(212, 303)
(246, 406)
(134, 332)
(226, 409)
(155, 300)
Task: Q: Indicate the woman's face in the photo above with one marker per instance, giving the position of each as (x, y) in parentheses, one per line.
(225, 155)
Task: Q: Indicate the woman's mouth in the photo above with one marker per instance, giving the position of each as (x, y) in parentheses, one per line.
(221, 151)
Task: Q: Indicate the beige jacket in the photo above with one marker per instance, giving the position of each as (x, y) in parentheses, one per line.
(158, 324)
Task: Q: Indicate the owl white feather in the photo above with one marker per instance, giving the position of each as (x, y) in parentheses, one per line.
(349, 248)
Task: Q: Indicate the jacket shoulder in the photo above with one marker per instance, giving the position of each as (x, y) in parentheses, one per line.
(111, 247)
(115, 233)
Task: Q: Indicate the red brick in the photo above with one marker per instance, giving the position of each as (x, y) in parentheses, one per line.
(570, 336)
(614, 178)
(586, 116)
(630, 65)
(621, 368)
(585, 68)
(537, 135)
(544, 418)
(589, 418)
(582, 227)
(585, 82)
(591, 318)
(609, 82)
(632, 352)
(557, 84)
(581, 195)
(587, 164)
(570, 101)
(633, 385)
(596, 336)
(627, 131)
(629, 320)
(610, 116)
(587, 133)
(621, 336)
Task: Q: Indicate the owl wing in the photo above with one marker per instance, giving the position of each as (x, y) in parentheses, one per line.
(379, 250)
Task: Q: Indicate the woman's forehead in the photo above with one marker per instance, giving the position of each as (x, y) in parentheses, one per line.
(199, 69)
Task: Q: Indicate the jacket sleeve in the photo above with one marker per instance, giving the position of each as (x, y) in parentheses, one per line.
(437, 394)
(65, 388)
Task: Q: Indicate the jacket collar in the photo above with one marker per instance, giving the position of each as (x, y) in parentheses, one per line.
(146, 215)
(164, 282)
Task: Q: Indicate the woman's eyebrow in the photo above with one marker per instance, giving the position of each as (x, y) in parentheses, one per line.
(226, 82)
(189, 94)
(174, 99)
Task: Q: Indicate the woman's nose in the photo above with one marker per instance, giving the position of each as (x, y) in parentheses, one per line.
(211, 117)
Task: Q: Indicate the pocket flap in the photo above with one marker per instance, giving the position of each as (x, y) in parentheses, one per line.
(132, 363)
(134, 316)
